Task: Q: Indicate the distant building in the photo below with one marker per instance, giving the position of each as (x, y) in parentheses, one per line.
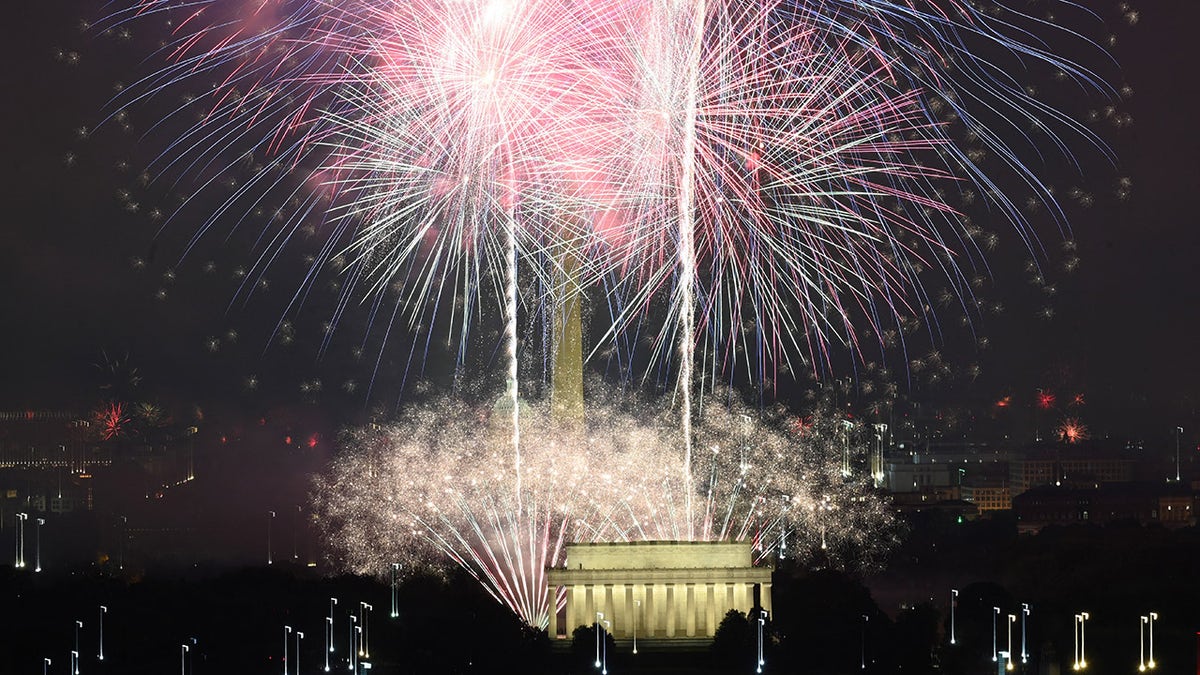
(988, 493)
(1110, 502)
(1063, 465)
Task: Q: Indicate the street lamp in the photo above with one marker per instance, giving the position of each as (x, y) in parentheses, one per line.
(1024, 615)
(296, 668)
(599, 618)
(78, 625)
(37, 550)
(953, 605)
(75, 660)
(329, 642)
(270, 519)
(364, 612)
(1012, 618)
(604, 650)
(328, 636)
(295, 529)
(287, 630)
(183, 652)
(863, 659)
(121, 543)
(354, 628)
(636, 611)
(395, 569)
(359, 631)
(762, 620)
(21, 518)
(103, 611)
(45, 665)
(1142, 621)
(995, 615)
(1080, 658)
(1152, 664)
(1178, 432)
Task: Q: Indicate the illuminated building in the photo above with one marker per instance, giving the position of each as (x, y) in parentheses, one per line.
(671, 589)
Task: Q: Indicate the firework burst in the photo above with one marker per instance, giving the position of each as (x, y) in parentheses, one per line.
(433, 488)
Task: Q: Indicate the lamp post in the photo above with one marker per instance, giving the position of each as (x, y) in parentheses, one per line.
(1178, 432)
(599, 618)
(75, 659)
(395, 570)
(353, 649)
(762, 621)
(287, 630)
(328, 636)
(45, 665)
(604, 650)
(995, 615)
(364, 613)
(953, 605)
(121, 543)
(270, 519)
(1152, 664)
(863, 652)
(37, 549)
(1012, 618)
(295, 529)
(183, 652)
(353, 655)
(1080, 658)
(103, 611)
(296, 668)
(1142, 621)
(637, 610)
(1024, 616)
(21, 518)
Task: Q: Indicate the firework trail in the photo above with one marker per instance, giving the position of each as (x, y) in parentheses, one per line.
(438, 487)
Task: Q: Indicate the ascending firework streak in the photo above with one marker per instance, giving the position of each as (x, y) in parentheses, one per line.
(435, 486)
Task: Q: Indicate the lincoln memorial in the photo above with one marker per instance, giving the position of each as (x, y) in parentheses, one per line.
(664, 589)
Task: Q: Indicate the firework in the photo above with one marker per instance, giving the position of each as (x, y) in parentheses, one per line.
(433, 488)
(775, 172)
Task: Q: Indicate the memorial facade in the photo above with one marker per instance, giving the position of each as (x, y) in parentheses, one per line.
(657, 589)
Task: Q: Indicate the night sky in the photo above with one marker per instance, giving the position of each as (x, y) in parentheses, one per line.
(1124, 329)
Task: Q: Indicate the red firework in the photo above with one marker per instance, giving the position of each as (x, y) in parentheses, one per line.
(112, 420)
(1073, 431)
(1045, 399)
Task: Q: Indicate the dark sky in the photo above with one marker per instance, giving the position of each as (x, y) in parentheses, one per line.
(1125, 325)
